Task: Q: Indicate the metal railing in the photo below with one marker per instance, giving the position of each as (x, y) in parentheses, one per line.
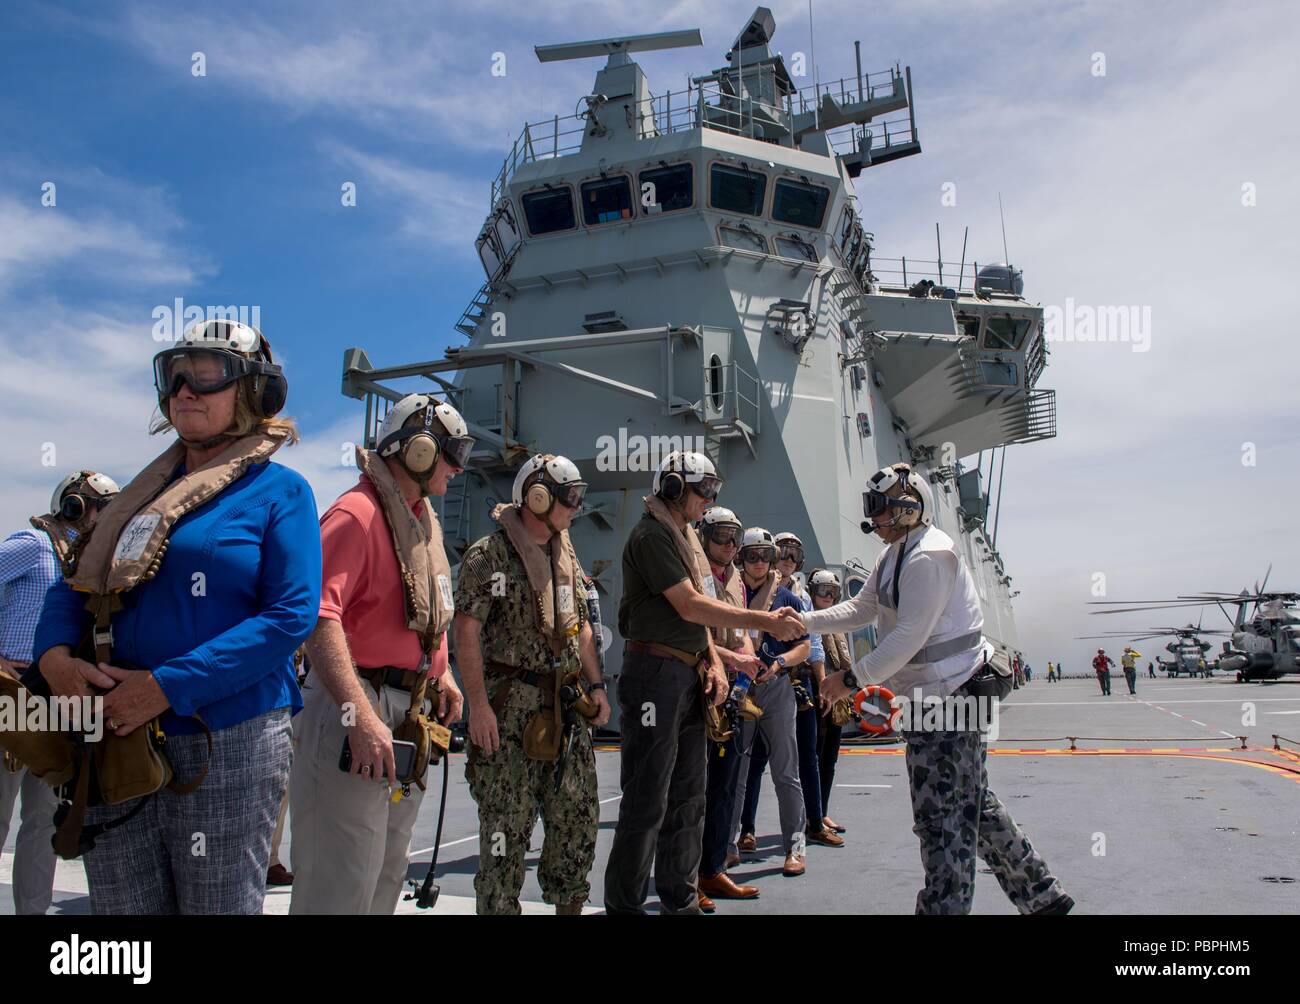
(1040, 416)
(737, 406)
(909, 271)
(741, 101)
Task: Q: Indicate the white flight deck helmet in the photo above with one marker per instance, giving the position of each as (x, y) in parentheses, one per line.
(910, 512)
(76, 493)
(821, 578)
(242, 351)
(418, 447)
(755, 539)
(716, 518)
(787, 539)
(546, 479)
(681, 469)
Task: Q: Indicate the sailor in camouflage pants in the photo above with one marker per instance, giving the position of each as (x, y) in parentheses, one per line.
(958, 818)
(510, 790)
(505, 658)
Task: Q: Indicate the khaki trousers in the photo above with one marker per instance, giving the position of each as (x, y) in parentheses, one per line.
(348, 843)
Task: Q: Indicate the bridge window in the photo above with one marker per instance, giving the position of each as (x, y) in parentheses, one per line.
(794, 246)
(969, 325)
(1005, 332)
(737, 190)
(846, 227)
(802, 204)
(606, 201)
(737, 237)
(674, 188)
(996, 373)
(549, 211)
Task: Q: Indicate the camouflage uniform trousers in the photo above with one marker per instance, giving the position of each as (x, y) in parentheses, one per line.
(511, 790)
(957, 817)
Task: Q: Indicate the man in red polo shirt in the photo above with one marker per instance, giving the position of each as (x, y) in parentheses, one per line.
(386, 602)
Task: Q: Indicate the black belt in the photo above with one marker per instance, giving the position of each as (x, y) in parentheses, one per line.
(389, 676)
(528, 676)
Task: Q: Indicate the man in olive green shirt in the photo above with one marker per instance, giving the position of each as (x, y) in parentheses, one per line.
(664, 615)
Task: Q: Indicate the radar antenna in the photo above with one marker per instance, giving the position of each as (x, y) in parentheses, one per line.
(618, 49)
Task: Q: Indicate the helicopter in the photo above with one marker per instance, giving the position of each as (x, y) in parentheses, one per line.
(1187, 649)
(1265, 640)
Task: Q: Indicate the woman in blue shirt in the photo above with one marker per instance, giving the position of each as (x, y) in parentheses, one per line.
(215, 627)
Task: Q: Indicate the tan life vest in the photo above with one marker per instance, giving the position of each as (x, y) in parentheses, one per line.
(551, 582)
(66, 547)
(838, 660)
(128, 540)
(733, 592)
(426, 572)
(430, 604)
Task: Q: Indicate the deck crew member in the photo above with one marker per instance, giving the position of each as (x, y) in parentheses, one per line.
(32, 560)
(932, 646)
(1151, 670)
(775, 693)
(668, 660)
(1128, 659)
(522, 635)
(203, 577)
(824, 589)
(379, 648)
(1051, 673)
(1101, 664)
(720, 531)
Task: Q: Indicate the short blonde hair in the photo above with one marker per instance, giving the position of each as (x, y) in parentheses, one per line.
(245, 422)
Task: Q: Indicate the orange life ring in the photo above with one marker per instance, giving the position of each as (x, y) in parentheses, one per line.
(863, 696)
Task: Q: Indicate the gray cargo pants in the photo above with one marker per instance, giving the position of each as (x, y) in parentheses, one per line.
(957, 818)
(777, 727)
(33, 877)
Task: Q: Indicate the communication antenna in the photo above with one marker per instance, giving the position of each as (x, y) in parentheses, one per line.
(1005, 256)
(812, 50)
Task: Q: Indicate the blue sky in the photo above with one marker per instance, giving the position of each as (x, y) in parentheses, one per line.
(1119, 190)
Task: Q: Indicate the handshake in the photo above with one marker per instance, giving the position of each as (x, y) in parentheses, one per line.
(786, 625)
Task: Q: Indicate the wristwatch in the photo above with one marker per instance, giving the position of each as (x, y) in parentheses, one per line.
(598, 685)
(780, 661)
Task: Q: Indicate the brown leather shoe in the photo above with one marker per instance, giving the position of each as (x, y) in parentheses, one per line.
(706, 905)
(278, 874)
(721, 887)
(747, 844)
(825, 837)
(831, 825)
(794, 865)
(732, 861)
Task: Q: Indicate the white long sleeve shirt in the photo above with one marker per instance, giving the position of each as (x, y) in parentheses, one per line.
(937, 602)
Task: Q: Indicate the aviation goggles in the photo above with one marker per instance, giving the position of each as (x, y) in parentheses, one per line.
(454, 449)
(570, 494)
(756, 553)
(790, 552)
(723, 536)
(876, 503)
(706, 488)
(833, 592)
(204, 371)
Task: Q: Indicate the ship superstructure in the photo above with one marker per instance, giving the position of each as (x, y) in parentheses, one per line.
(694, 270)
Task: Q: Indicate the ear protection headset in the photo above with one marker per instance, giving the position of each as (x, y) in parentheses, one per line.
(671, 486)
(420, 448)
(268, 389)
(539, 498)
